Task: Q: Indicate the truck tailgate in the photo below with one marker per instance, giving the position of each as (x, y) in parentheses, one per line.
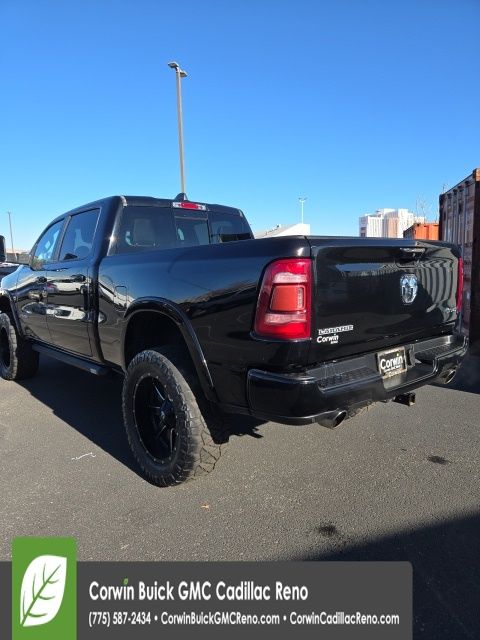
(373, 293)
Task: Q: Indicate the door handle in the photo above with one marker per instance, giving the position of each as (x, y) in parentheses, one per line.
(35, 295)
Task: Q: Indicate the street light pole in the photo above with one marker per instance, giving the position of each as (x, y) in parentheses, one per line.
(302, 201)
(179, 75)
(9, 214)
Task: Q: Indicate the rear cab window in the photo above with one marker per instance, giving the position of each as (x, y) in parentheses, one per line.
(145, 228)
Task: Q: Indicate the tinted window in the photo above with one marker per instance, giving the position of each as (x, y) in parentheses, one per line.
(147, 228)
(226, 227)
(46, 245)
(78, 239)
(191, 228)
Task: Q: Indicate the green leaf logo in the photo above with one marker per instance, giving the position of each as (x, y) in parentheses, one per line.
(43, 586)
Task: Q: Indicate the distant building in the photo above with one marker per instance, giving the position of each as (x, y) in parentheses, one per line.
(460, 224)
(18, 255)
(387, 223)
(299, 229)
(371, 226)
(422, 231)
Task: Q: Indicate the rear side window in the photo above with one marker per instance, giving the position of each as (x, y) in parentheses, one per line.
(226, 227)
(78, 239)
(147, 228)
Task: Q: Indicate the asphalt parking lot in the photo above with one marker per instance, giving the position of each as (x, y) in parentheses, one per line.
(396, 483)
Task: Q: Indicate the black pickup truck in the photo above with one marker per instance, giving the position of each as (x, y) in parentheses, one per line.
(201, 319)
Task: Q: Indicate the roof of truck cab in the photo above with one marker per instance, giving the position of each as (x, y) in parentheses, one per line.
(143, 201)
(140, 201)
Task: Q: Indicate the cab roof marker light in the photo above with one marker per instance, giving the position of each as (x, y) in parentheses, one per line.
(189, 205)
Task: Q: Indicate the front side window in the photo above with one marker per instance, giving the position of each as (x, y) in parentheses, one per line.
(46, 246)
(78, 239)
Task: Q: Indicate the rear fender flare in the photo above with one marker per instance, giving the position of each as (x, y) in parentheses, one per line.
(181, 320)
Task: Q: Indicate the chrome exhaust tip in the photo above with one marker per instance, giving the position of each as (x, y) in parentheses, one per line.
(332, 419)
(450, 376)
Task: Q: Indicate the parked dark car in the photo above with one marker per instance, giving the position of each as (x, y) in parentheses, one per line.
(201, 319)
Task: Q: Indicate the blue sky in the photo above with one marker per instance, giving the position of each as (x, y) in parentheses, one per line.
(356, 104)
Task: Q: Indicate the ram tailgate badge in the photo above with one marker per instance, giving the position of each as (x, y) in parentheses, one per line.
(408, 287)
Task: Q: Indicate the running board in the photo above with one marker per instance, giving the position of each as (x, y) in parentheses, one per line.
(75, 361)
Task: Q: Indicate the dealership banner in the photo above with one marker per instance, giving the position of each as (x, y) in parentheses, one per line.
(47, 594)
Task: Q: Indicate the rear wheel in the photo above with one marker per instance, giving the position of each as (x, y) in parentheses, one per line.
(166, 429)
(17, 358)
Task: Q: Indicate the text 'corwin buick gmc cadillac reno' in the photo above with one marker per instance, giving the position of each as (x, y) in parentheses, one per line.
(200, 319)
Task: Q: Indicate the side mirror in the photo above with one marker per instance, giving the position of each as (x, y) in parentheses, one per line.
(3, 251)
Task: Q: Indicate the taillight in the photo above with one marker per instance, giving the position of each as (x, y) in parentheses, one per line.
(284, 306)
(460, 285)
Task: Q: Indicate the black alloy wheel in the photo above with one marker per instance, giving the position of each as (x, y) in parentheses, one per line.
(155, 419)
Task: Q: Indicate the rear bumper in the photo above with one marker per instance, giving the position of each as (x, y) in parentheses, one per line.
(339, 386)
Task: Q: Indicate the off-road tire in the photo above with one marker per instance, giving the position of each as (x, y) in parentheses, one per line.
(200, 432)
(18, 361)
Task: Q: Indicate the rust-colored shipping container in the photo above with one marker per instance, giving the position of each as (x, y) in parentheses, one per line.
(460, 224)
(422, 231)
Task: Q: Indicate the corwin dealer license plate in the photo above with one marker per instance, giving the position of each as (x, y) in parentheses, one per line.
(392, 362)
